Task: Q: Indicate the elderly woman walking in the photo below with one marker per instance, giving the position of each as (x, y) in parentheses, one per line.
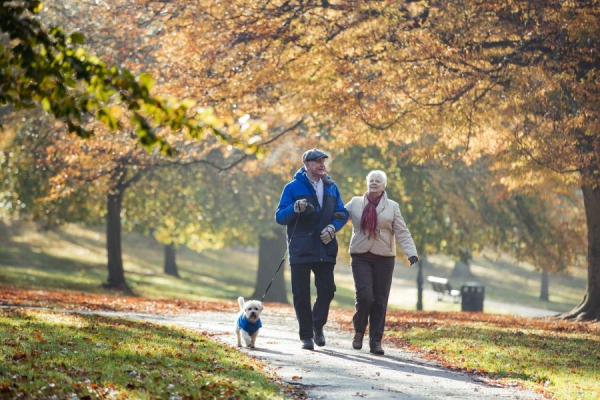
(376, 225)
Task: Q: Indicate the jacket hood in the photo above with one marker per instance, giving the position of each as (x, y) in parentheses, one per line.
(301, 176)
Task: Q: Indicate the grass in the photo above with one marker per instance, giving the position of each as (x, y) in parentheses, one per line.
(505, 280)
(74, 258)
(45, 354)
(561, 359)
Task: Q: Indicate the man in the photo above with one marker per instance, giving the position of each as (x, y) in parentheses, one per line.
(313, 210)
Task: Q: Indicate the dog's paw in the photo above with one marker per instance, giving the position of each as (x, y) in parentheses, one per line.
(252, 346)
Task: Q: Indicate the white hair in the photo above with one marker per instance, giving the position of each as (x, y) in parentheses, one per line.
(379, 173)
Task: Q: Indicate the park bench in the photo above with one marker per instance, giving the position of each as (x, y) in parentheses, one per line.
(442, 287)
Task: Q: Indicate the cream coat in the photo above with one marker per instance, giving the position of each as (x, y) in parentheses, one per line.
(389, 224)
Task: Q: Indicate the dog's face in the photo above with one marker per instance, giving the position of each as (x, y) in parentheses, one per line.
(252, 310)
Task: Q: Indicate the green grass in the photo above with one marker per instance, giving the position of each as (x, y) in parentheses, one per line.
(45, 354)
(564, 360)
(509, 281)
(74, 258)
(75, 353)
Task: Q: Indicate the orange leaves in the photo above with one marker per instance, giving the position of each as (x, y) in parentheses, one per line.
(405, 320)
(19, 356)
(88, 301)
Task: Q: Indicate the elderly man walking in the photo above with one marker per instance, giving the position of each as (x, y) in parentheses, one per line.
(312, 208)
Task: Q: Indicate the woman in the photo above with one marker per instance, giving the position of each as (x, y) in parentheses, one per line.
(376, 220)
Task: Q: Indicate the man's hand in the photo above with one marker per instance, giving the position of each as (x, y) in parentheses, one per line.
(300, 205)
(303, 206)
(413, 259)
(327, 234)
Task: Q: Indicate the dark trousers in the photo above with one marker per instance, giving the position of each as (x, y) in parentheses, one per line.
(317, 317)
(372, 283)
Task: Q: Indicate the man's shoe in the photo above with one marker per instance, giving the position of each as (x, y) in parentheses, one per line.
(357, 342)
(319, 337)
(376, 349)
(307, 344)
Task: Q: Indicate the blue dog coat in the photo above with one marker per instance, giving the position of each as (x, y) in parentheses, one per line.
(246, 325)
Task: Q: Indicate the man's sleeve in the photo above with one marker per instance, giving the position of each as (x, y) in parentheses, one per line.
(340, 217)
(285, 211)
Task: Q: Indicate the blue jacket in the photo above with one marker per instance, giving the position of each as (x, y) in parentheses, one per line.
(305, 246)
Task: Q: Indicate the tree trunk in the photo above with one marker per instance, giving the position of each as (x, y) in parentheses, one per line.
(461, 270)
(589, 309)
(420, 285)
(462, 267)
(170, 267)
(116, 274)
(424, 260)
(4, 232)
(420, 265)
(271, 250)
(544, 293)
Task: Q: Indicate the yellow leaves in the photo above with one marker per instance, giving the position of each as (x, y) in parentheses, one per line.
(146, 81)
(79, 53)
(46, 104)
(208, 117)
(115, 111)
(36, 6)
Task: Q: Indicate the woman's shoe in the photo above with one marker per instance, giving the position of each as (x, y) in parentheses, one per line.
(357, 341)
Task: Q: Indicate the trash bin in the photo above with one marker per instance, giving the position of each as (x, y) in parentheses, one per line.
(472, 294)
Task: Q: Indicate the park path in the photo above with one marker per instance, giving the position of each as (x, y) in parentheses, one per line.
(336, 371)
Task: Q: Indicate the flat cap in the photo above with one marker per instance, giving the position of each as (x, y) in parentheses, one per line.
(313, 155)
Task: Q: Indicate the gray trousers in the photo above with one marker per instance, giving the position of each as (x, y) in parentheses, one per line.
(372, 283)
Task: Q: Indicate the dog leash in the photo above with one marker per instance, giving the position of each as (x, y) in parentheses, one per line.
(282, 260)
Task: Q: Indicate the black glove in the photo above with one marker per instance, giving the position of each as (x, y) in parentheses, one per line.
(309, 209)
(413, 259)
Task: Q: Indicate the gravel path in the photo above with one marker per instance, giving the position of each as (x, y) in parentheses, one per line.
(336, 371)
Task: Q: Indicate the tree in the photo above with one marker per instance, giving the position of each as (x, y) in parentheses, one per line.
(270, 281)
(249, 198)
(49, 67)
(114, 164)
(71, 83)
(179, 205)
(461, 79)
(460, 209)
(24, 180)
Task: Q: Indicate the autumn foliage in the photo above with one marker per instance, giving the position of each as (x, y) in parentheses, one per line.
(442, 83)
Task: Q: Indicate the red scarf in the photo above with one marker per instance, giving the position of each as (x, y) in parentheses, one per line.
(368, 221)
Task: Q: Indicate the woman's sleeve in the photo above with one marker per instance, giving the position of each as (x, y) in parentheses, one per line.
(403, 236)
(349, 209)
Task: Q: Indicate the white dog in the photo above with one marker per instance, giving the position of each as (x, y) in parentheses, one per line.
(248, 322)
